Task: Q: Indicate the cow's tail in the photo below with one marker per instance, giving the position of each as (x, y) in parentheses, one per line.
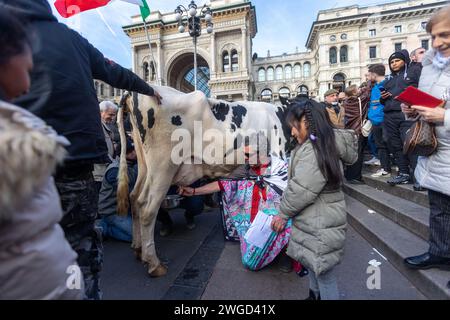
(122, 187)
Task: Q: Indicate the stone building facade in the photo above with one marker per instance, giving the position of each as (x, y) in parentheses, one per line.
(344, 41)
(224, 57)
(341, 44)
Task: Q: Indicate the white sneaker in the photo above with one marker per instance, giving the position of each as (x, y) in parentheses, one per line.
(381, 173)
(373, 162)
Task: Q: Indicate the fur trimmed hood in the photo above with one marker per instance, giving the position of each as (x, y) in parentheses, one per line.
(29, 153)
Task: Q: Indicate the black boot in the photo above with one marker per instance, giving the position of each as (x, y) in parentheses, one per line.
(427, 261)
(312, 296)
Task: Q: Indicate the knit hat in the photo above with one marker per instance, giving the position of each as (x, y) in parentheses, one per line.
(397, 55)
(330, 92)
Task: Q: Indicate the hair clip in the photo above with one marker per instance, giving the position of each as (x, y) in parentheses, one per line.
(312, 137)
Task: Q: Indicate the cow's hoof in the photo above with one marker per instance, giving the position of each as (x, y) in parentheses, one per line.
(138, 253)
(160, 271)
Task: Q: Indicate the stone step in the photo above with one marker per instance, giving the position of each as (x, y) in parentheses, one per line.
(396, 243)
(404, 191)
(407, 214)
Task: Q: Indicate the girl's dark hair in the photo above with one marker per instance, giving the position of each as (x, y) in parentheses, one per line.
(13, 37)
(322, 137)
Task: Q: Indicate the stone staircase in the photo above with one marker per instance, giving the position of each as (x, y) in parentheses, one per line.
(395, 221)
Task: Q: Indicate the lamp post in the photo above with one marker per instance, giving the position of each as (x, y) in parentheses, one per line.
(192, 18)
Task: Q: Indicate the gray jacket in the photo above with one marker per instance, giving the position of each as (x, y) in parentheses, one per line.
(434, 172)
(36, 261)
(319, 215)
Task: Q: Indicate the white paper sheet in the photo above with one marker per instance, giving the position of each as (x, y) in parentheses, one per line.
(260, 230)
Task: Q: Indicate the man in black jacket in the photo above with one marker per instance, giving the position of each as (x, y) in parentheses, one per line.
(415, 67)
(63, 94)
(394, 120)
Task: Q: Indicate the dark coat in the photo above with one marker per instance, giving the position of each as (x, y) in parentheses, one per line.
(62, 88)
(396, 84)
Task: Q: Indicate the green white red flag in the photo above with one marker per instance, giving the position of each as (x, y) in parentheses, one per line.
(68, 8)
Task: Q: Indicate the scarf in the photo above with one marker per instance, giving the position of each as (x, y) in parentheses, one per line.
(440, 62)
(277, 179)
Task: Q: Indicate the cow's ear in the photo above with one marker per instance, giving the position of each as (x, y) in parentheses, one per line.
(284, 101)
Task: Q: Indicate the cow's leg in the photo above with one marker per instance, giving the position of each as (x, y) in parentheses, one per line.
(137, 206)
(156, 187)
(136, 245)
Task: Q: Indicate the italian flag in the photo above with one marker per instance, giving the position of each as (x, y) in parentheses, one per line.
(68, 8)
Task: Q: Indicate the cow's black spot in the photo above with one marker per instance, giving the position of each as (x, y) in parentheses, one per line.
(275, 127)
(233, 127)
(239, 113)
(279, 142)
(151, 118)
(140, 122)
(220, 111)
(281, 114)
(176, 121)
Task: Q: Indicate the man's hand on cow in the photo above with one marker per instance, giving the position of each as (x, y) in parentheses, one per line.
(157, 97)
(186, 191)
(431, 114)
(278, 224)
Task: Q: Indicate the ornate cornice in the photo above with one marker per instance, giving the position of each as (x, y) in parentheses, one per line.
(359, 19)
(217, 13)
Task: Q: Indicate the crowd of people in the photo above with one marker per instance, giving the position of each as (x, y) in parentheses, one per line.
(59, 149)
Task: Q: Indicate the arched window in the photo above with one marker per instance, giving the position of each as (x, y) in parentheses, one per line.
(279, 73)
(303, 90)
(339, 82)
(339, 77)
(285, 92)
(118, 92)
(102, 89)
(96, 87)
(270, 74)
(333, 55)
(234, 61)
(288, 72)
(297, 71)
(111, 91)
(306, 70)
(266, 94)
(145, 71)
(344, 54)
(261, 75)
(152, 72)
(226, 61)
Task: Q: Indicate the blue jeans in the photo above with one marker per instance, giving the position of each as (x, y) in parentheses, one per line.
(372, 145)
(324, 284)
(116, 227)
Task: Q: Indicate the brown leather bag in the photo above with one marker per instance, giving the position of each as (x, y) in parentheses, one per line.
(421, 139)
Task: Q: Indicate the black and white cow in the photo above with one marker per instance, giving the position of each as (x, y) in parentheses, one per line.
(186, 138)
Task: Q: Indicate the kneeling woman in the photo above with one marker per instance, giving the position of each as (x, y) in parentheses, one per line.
(314, 198)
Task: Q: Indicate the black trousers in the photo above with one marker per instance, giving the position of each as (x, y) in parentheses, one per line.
(380, 143)
(354, 172)
(396, 127)
(439, 224)
(79, 201)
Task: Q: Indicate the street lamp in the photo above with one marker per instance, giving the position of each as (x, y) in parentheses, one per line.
(192, 18)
